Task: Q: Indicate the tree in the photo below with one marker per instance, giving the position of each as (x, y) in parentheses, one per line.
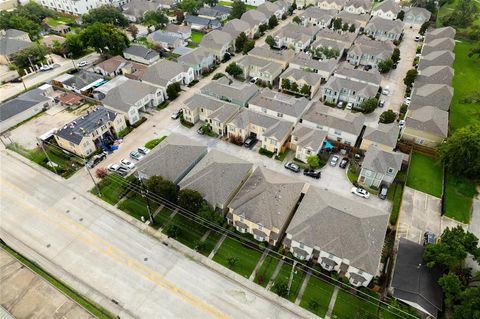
(234, 70)
(173, 231)
(368, 106)
(156, 18)
(105, 38)
(285, 84)
(189, 6)
(461, 151)
(272, 22)
(74, 45)
(401, 15)
(463, 15)
(211, 3)
(270, 41)
(133, 30)
(337, 24)
(218, 76)
(30, 55)
(248, 45)
(238, 9)
(293, 7)
(474, 52)
(452, 249)
(322, 52)
(297, 20)
(27, 18)
(345, 26)
(162, 187)
(107, 14)
(281, 288)
(313, 161)
(395, 55)
(452, 287)
(385, 66)
(173, 90)
(190, 200)
(424, 27)
(262, 28)
(388, 117)
(294, 87)
(207, 215)
(240, 41)
(410, 77)
(352, 28)
(305, 90)
(469, 304)
(179, 15)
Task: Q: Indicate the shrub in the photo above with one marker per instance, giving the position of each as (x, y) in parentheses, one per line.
(151, 144)
(237, 140)
(218, 76)
(388, 117)
(101, 172)
(265, 152)
(173, 231)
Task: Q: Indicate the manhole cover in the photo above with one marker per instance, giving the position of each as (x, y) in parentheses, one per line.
(81, 219)
(145, 259)
(48, 245)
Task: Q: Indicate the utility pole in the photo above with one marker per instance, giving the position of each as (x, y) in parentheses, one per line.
(40, 143)
(93, 179)
(73, 61)
(144, 193)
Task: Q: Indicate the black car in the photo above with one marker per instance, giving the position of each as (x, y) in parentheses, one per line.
(96, 159)
(312, 173)
(250, 141)
(367, 67)
(293, 167)
(344, 162)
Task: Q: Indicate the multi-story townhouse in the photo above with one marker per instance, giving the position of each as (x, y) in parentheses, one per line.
(380, 167)
(348, 91)
(358, 6)
(264, 70)
(317, 17)
(306, 141)
(387, 9)
(369, 52)
(218, 42)
(294, 36)
(384, 29)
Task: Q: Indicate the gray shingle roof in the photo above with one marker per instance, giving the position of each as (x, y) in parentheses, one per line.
(165, 36)
(323, 115)
(266, 53)
(21, 103)
(365, 45)
(416, 11)
(216, 40)
(386, 25)
(304, 60)
(194, 57)
(445, 32)
(9, 45)
(435, 75)
(386, 134)
(317, 13)
(296, 32)
(388, 5)
(173, 158)
(224, 113)
(439, 95)
(82, 79)
(329, 43)
(267, 198)
(86, 124)
(281, 103)
(199, 100)
(429, 119)
(217, 177)
(340, 226)
(125, 95)
(310, 78)
(163, 71)
(138, 8)
(346, 38)
(235, 27)
(207, 23)
(365, 4)
(235, 91)
(254, 17)
(280, 131)
(347, 71)
(268, 8)
(362, 89)
(380, 161)
(141, 51)
(265, 66)
(436, 58)
(308, 137)
(357, 19)
(413, 281)
(440, 44)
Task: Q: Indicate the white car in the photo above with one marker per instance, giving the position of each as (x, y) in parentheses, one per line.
(334, 160)
(113, 167)
(82, 63)
(401, 124)
(126, 163)
(349, 106)
(143, 150)
(46, 67)
(360, 192)
(386, 90)
(407, 101)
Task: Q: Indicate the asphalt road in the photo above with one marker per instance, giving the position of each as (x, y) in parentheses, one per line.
(108, 259)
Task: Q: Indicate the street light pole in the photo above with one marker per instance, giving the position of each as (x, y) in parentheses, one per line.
(144, 193)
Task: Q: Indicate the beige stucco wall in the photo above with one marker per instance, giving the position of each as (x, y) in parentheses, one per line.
(430, 140)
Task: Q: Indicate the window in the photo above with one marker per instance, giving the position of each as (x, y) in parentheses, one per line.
(259, 238)
(337, 132)
(260, 226)
(390, 170)
(279, 114)
(301, 245)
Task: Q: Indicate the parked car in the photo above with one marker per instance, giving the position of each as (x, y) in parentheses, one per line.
(344, 162)
(136, 155)
(253, 80)
(383, 192)
(96, 159)
(360, 192)
(143, 150)
(367, 67)
(401, 124)
(115, 168)
(176, 114)
(126, 163)
(340, 105)
(334, 160)
(407, 101)
(293, 167)
(428, 238)
(349, 106)
(46, 67)
(200, 130)
(82, 63)
(249, 141)
(417, 38)
(312, 173)
(394, 66)
(386, 90)
(381, 103)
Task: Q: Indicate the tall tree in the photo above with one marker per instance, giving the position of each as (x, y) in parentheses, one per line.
(368, 106)
(105, 14)
(469, 305)
(410, 77)
(105, 38)
(424, 27)
(396, 55)
(234, 70)
(337, 24)
(270, 41)
(297, 20)
(240, 41)
(189, 6)
(452, 288)
(74, 45)
(345, 27)
(385, 65)
(162, 187)
(29, 56)
(238, 8)
(190, 200)
(313, 161)
(272, 22)
(156, 18)
(401, 15)
(133, 30)
(211, 3)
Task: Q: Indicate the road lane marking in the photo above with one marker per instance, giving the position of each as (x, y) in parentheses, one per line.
(88, 237)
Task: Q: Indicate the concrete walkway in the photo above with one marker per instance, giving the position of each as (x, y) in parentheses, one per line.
(217, 246)
(332, 303)
(204, 237)
(170, 218)
(259, 264)
(303, 287)
(275, 274)
(159, 209)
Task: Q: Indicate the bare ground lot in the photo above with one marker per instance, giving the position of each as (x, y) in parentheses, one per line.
(26, 295)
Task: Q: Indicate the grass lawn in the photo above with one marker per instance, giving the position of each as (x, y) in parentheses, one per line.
(394, 195)
(210, 243)
(95, 309)
(350, 306)
(448, 8)
(282, 156)
(247, 258)
(190, 231)
(54, 22)
(284, 275)
(266, 271)
(152, 143)
(319, 291)
(465, 82)
(110, 190)
(459, 192)
(136, 206)
(162, 217)
(425, 174)
(197, 37)
(230, 3)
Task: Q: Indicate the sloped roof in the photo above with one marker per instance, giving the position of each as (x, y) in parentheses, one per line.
(264, 52)
(306, 61)
(386, 134)
(281, 103)
(336, 84)
(444, 57)
(435, 75)
(439, 95)
(125, 95)
(445, 32)
(265, 66)
(224, 113)
(357, 19)
(111, 64)
(346, 70)
(388, 5)
(308, 137)
(319, 14)
(21, 103)
(340, 226)
(200, 100)
(386, 25)
(439, 44)
(172, 158)
(297, 32)
(380, 161)
(413, 281)
(163, 71)
(217, 176)
(141, 51)
(194, 57)
(310, 78)
(367, 5)
(216, 40)
(238, 91)
(365, 45)
(347, 37)
(82, 79)
(416, 11)
(268, 8)
(165, 36)
(429, 119)
(254, 17)
(10, 46)
(323, 115)
(267, 198)
(235, 27)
